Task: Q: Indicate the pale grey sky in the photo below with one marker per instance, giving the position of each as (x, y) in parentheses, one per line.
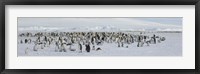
(48, 21)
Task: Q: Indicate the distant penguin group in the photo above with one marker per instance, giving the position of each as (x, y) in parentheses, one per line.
(65, 41)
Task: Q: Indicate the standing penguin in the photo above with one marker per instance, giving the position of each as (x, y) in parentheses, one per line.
(93, 48)
(63, 48)
(154, 38)
(21, 41)
(87, 47)
(139, 41)
(80, 47)
(26, 41)
(35, 48)
(26, 51)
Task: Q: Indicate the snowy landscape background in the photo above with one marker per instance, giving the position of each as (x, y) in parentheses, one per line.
(100, 24)
(168, 27)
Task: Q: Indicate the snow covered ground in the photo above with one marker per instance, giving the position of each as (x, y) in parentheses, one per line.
(172, 46)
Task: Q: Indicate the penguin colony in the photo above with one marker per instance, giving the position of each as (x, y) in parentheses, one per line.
(86, 41)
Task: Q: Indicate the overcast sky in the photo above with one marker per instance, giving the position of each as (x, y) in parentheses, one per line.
(25, 21)
(167, 20)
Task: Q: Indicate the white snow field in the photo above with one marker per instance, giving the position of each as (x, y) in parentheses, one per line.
(172, 46)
